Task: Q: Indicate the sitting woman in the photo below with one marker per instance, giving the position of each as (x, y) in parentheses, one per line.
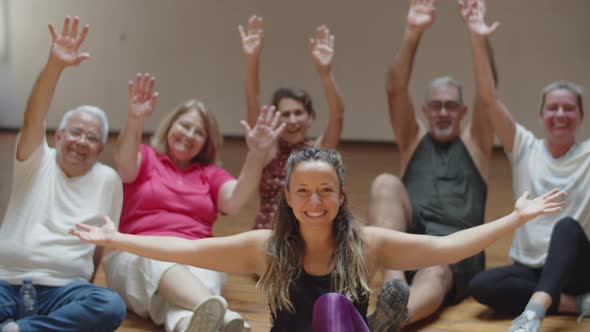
(175, 188)
(317, 262)
(296, 109)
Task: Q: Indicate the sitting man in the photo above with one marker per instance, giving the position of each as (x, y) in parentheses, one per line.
(52, 190)
(443, 186)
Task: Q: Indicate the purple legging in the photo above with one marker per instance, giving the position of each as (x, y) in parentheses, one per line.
(335, 312)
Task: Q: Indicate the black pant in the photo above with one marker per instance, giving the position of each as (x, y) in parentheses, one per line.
(508, 289)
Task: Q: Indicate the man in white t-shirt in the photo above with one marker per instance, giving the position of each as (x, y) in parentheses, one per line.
(52, 190)
(551, 253)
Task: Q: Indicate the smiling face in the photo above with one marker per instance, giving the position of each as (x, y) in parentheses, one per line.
(561, 116)
(444, 111)
(314, 194)
(297, 119)
(79, 144)
(186, 138)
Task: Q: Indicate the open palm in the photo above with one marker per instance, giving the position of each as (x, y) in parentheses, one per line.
(421, 14)
(473, 13)
(266, 131)
(96, 235)
(65, 46)
(252, 38)
(550, 202)
(142, 98)
(322, 47)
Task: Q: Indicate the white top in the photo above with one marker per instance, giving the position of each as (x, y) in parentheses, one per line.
(44, 204)
(535, 170)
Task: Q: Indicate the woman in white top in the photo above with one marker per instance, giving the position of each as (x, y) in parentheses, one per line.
(551, 271)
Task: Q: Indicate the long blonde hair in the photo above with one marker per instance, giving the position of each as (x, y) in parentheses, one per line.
(210, 152)
(285, 246)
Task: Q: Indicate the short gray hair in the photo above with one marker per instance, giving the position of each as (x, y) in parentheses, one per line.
(576, 89)
(444, 81)
(92, 110)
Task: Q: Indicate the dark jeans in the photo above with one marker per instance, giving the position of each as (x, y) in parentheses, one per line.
(77, 306)
(508, 289)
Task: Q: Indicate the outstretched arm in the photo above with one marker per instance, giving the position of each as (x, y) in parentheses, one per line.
(401, 110)
(252, 40)
(422, 250)
(64, 53)
(140, 104)
(234, 194)
(322, 52)
(473, 13)
(242, 253)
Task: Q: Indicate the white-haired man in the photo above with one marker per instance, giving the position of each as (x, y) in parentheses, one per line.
(52, 190)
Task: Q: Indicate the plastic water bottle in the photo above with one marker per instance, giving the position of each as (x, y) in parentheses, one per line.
(27, 299)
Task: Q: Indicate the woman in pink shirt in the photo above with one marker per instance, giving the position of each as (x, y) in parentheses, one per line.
(173, 187)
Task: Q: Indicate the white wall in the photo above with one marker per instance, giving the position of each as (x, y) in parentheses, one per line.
(193, 48)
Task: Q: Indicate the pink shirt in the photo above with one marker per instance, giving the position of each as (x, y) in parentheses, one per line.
(164, 200)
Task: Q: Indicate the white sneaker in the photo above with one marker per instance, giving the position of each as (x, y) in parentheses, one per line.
(233, 322)
(208, 316)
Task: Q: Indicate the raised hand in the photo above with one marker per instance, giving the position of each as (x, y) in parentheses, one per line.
(65, 46)
(142, 98)
(547, 203)
(421, 14)
(97, 235)
(473, 13)
(252, 38)
(322, 48)
(266, 131)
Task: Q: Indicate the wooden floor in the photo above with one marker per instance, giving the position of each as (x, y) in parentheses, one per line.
(363, 162)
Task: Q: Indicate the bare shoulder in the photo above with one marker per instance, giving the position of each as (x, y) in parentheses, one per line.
(407, 152)
(254, 242)
(372, 237)
(480, 155)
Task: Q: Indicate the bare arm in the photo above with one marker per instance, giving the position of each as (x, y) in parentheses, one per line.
(141, 101)
(242, 253)
(401, 110)
(322, 52)
(503, 124)
(481, 128)
(233, 195)
(96, 259)
(63, 54)
(422, 250)
(252, 41)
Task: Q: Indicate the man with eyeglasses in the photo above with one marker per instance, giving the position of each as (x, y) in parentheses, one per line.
(53, 189)
(442, 189)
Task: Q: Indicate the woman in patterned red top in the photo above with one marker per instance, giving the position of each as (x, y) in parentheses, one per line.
(296, 112)
(175, 188)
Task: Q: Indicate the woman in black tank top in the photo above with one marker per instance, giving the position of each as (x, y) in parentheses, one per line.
(317, 262)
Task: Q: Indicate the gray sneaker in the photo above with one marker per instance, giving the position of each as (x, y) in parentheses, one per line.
(392, 307)
(585, 307)
(208, 316)
(526, 322)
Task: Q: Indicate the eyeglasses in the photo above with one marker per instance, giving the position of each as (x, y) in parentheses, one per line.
(449, 105)
(78, 134)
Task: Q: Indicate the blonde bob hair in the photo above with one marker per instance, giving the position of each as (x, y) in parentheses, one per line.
(210, 152)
